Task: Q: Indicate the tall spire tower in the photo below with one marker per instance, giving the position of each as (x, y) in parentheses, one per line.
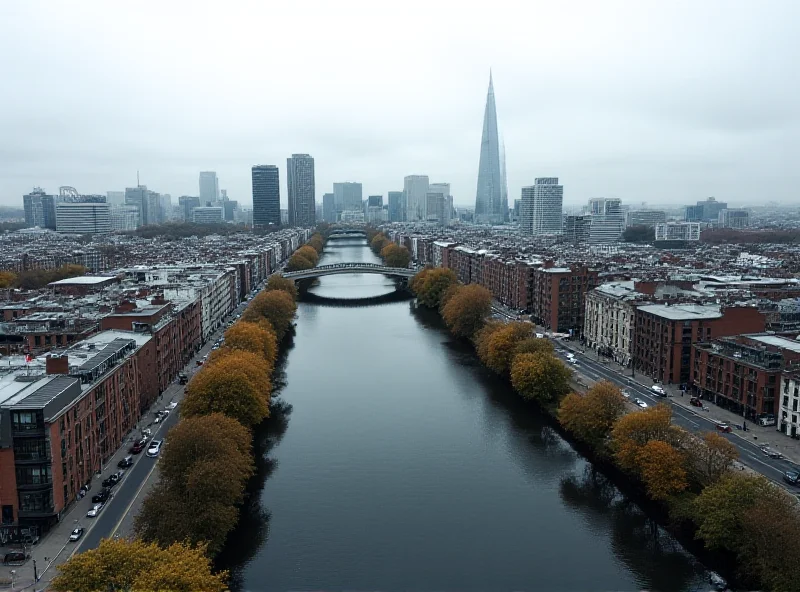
(489, 208)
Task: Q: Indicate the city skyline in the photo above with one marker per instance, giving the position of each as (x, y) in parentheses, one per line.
(614, 109)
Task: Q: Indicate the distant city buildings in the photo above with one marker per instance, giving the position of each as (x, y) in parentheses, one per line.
(266, 196)
(541, 207)
(576, 229)
(705, 211)
(124, 218)
(329, 208)
(83, 218)
(395, 210)
(115, 198)
(148, 202)
(734, 218)
(677, 231)
(300, 181)
(209, 188)
(415, 194)
(645, 217)
(187, 203)
(491, 199)
(207, 215)
(607, 220)
(40, 209)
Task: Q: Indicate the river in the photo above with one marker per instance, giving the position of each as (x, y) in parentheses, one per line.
(394, 462)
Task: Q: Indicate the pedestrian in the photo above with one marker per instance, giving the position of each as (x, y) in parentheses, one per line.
(744, 426)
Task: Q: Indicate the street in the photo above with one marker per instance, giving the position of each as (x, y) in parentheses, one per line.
(750, 454)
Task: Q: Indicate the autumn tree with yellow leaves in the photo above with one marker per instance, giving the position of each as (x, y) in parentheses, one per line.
(497, 348)
(394, 255)
(203, 472)
(430, 285)
(235, 384)
(467, 309)
(277, 282)
(540, 377)
(276, 306)
(591, 417)
(135, 565)
(258, 338)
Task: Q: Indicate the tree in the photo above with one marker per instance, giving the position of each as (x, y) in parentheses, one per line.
(534, 345)
(206, 464)
(467, 310)
(395, 256)
(258, 338)
(309, 253)
(236, 385)
(429, 285)
(119, 564)
(502, 344)
(710, 461)
(482, 338)
(7, 279)
(377, 242)
(633, 431)
(541, 377)
(719, 510)
(298, 263)
(592, 416)
(277, 282)
(276, 306)
(661, 469)
(316, 242)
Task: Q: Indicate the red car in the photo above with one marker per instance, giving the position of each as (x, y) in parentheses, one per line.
(138, 446)
(724, 427)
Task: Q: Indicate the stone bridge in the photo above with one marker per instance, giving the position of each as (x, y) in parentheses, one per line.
(342, 268)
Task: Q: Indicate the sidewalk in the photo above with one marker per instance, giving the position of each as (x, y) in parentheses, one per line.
(789, 447)
(54, 548)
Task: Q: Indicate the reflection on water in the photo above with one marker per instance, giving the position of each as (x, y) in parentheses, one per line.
(404, 465)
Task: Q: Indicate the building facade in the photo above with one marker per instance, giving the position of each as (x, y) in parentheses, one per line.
(83, 218)
(609, 322)
(415, 193)
(541, 207)
(491, 201)
(209, 188)
(396, 213)
(207, 215)
(789, 410)
(329, 208)
(734, 218)
(266, 196)
(607, 220)
(645, 218)
(300, 181)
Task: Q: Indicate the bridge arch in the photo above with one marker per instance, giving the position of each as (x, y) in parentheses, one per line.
(350, 268)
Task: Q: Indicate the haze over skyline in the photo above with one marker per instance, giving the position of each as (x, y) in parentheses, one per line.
(657, 103)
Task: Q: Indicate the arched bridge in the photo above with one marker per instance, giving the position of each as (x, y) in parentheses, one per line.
(347, 233)
(341, 268)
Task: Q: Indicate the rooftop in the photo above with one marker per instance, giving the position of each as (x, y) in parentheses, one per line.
(777, 341)
(683, 312)
(84, 280)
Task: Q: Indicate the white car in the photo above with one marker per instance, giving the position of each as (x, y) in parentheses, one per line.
(573, 361)
(172, 405)
(640, 403)
(625, 394)
(94, 511)
(76, 534)
(154, 449)
(658, 389)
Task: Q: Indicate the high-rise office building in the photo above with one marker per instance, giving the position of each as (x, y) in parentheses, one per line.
(576, 229)
(607, 220)
(209, 188)
(375, 201)
(645, 217)
(734, 218)
(124, 218)
(115, 198)
(541, 207)
(491, 198)
(266, 196)
(415, 196)
(705, 211)
(40, 209)
(300, 182)
(229, 207)
(83, 218)
(187, 203)
(347, 197)
(329, 208)
(148, 203)
(207, 215)
(395, 206)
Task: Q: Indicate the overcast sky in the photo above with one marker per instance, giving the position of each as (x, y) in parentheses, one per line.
(657, 102)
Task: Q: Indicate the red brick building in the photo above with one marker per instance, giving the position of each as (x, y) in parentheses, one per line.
(558, 297)
(664, 334)
(743, 373)
(60, 421)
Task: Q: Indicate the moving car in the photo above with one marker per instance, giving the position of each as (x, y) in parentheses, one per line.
(155, 448)
(625, 394)
(659, 390)
(94, 510)
(102, 496)
(172, 405)
(126, 462)
(640, 403)
(771, 453)
(76, 534)
(724, 427)
(138, 446)
(573, 361)
(792, 477)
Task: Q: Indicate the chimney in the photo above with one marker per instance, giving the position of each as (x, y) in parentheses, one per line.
(57, 364)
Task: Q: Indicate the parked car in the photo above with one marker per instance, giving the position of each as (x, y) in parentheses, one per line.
(695, 402)
(138, 446)
(94, 510)
(76, 534)
(15, 558)
(625, 394)
(640, 403)
(159, 417)
(155, 448)
(102, 496)
(112, 480)
(659, 390)
(724, 427)
(172, 405)
(183, 379)
(199, 362)
(792, 477)
(126, 462)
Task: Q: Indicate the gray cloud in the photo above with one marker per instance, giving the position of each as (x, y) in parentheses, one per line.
(656, 102)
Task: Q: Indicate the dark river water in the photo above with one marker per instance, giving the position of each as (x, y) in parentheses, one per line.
(393, 461)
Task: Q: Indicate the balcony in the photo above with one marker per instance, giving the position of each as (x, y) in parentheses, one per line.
(22, 458)
(27, 430)
(42, 484)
